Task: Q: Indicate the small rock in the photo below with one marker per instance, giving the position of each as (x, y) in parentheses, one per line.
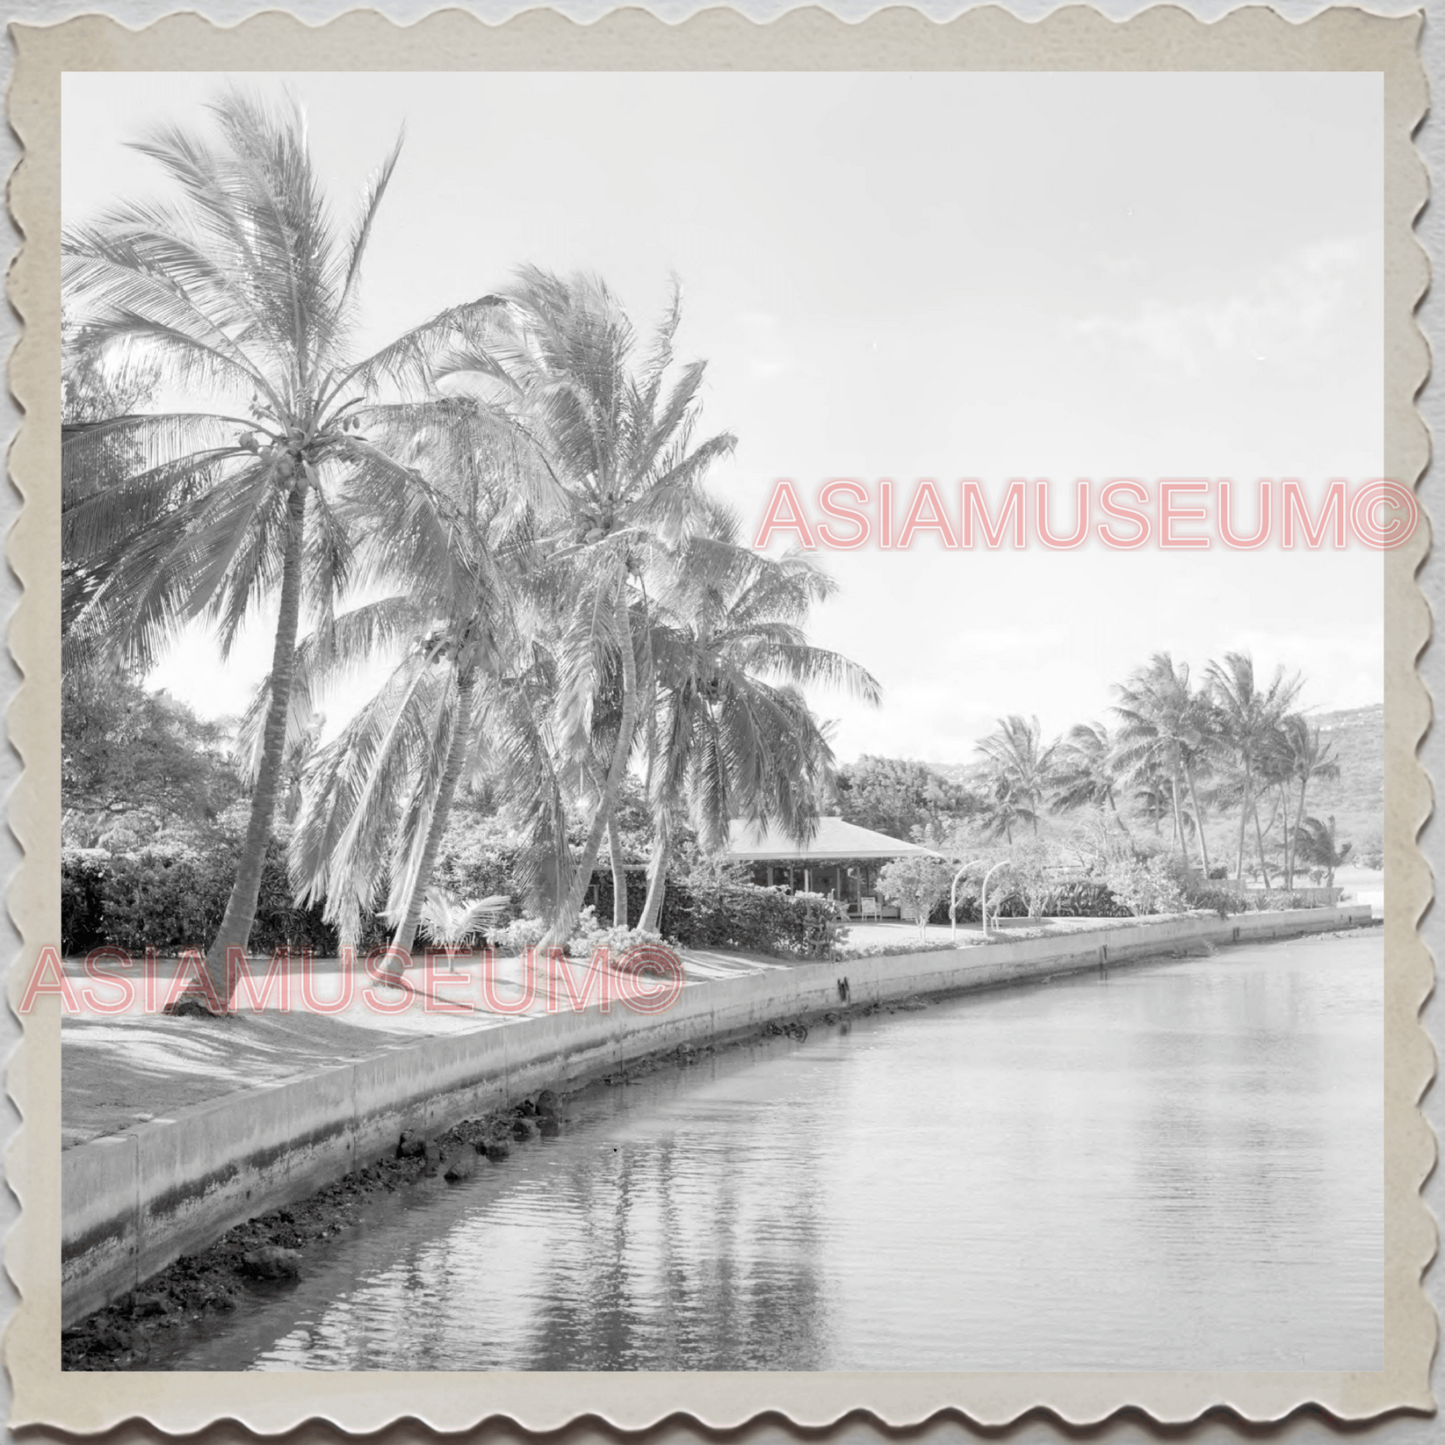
(548, 1127)
(547, 1104)
(433, 1152)
(272, 1262)
(461, 1165)
(150, 1304)
(522, 1129)
(498, 1151)
(411, 1145)
(525, 1109)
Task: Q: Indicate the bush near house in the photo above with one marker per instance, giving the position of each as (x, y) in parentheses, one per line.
(172, 897)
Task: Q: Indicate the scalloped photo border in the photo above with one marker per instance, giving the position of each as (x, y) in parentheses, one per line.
(990, 39)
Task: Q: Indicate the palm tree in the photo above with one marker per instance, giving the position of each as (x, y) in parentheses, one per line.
(1318, 845)
(1152, 792)
(1249, 719)
(1019, 773)
(616, 432)
(1300, 757)
(1165, 725)
(463, 691)
(728, 734)
(1086, 773)
(244, 295)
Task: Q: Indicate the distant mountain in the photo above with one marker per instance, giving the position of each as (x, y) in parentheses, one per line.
(1357, 800)
(965, 773)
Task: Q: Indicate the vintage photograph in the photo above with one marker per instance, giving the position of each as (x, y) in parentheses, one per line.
(723, 721)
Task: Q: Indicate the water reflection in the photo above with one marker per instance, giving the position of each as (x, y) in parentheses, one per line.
(1172, 1167)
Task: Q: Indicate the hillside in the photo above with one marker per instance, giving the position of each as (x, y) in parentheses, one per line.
(1357, 800)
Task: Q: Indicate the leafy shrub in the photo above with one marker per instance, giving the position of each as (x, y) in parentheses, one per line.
(519, 934)
(590, 935)
(1145, 887)
(1265, 901)
(171, 898)
(476, 867)
(713, 907)
(82, 878)
(1084, 898)
(166, 900)
(1077, 898)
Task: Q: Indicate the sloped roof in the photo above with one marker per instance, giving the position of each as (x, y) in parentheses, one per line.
(834, 840)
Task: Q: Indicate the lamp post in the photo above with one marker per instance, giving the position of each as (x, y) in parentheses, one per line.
(953, 898)
(983, 900)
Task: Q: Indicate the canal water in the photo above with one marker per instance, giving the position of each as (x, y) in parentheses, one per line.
(1176, 1166)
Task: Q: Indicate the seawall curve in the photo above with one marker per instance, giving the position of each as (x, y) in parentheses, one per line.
(134, 1201)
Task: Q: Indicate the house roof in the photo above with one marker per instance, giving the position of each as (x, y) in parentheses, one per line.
(834, 840)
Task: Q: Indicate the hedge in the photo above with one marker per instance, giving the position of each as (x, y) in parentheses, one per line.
(732, 915)
(1079, 898)
(171, 899)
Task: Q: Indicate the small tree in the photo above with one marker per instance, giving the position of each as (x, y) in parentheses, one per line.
(1033, 864)
(917, 884)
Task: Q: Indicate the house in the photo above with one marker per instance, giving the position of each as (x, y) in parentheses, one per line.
(840, 860)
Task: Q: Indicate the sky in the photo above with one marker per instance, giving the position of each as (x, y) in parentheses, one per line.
(905, 276)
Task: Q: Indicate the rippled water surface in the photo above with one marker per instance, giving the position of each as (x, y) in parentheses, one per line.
(1176, 1166)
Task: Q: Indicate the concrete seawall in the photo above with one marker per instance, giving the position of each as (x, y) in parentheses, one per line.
(134, 1201)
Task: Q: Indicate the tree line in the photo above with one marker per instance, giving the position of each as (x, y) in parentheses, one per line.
(1195, 757)
(505, 507)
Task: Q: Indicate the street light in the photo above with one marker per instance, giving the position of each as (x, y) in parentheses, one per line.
(983, 900)
(953, 896)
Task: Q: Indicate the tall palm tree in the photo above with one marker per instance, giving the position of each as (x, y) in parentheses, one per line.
(616, 431)
(1152, 791)
(1300, 756)
(464, 686)
(1019, 773)
(378, 797)
(1249, 719)
(243, 295)
(729, 735)
(1086, 773)
(1165, 724)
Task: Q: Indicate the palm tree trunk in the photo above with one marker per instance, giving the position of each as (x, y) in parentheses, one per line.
(619, 872)
(657, 875)
(240, 914)
(1198, 821)
(1243, 817)
(1179, 820)
(1259, 841)
(1119, 818)
(1299, 816)
(571, 905)
(457, 751)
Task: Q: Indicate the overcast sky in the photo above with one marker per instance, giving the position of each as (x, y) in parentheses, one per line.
(911, 276)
